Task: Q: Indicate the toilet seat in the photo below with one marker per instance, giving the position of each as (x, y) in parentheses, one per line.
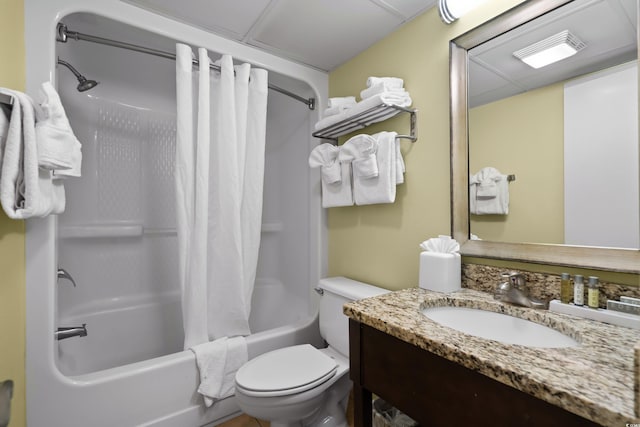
(285, 371)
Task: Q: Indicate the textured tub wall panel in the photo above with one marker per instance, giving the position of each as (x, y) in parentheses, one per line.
(12, 255)
(378, 244)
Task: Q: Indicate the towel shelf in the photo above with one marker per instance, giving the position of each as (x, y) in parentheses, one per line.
(372, 115)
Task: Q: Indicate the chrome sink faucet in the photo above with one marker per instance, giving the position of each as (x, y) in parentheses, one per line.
(513, 289)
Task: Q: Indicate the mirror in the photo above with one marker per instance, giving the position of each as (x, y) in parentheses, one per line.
(488, 83)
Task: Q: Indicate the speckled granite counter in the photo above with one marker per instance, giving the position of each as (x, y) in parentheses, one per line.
(595, 380)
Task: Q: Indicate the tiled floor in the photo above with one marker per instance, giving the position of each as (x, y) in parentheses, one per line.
(245, 420)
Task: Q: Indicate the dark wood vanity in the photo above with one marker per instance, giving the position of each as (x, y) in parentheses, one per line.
(435, 391)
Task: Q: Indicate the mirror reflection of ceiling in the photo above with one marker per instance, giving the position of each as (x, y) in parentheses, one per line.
(608, 27)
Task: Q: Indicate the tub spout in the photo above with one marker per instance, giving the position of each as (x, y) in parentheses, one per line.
(73, 331)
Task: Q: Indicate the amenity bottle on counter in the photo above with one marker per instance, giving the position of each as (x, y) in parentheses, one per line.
(578, 290)
(593, 294)
(565, 288)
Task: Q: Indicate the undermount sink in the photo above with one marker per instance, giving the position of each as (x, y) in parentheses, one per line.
(499, 327)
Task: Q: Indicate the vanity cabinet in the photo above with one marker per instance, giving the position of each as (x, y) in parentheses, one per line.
(436, 391)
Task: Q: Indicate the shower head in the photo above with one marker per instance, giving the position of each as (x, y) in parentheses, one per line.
(83, 83)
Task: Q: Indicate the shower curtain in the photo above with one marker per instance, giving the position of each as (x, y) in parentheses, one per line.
(219, 171)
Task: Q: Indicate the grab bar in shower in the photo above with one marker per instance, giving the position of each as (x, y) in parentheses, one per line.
(69, 332)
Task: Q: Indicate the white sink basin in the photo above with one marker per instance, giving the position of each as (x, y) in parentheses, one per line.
(499, 327)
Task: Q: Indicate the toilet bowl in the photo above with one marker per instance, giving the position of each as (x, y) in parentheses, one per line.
(302, 385)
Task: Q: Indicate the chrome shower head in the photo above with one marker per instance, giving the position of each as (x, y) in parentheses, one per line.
(83, 83)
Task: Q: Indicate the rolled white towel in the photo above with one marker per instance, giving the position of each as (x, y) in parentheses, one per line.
(341, 100)
(390, 82)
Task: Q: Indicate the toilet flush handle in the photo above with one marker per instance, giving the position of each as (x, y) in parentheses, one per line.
(319, 291)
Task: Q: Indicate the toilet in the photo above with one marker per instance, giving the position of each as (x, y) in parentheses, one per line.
(302, 385)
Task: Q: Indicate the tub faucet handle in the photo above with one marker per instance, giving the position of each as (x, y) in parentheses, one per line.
(63, 274)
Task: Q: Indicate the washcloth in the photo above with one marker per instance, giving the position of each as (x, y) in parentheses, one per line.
(382, 188)
(25, 190)
(401, 99)
(390, 82)
(58, 147)
(217, 363)
(341, 100)
(360, 150)
(488, 192)
(325, 156)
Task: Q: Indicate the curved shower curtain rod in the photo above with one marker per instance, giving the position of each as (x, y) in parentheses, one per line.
(65, 34)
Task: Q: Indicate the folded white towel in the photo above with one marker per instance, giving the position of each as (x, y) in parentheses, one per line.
(390, 82)
(25, 190)
(377, 89)
(325, 156)
(5, 112)
(401, 99)
(58, 147)
(360, 150)
(488, 192)
(382, 188)
(341, 100)
(217, 363)
(337, 109)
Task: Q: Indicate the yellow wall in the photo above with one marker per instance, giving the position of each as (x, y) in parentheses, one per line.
(378, 244)
(535, 156)
(12, 259)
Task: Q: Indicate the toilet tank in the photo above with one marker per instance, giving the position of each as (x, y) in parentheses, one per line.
(337, 291)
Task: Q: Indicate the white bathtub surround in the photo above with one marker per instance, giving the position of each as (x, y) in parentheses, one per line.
(220, 194)
(218, 361)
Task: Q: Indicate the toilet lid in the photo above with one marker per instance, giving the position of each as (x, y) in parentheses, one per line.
(287, 370)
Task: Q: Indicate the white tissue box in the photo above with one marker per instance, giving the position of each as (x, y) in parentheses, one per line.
(440, 272)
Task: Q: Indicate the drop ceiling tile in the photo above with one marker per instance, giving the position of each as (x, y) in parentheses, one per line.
(324, 33)
(230, 17)
(409, 8)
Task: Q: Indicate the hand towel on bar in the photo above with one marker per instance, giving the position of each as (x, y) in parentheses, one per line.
(58, 147)
(325, 156)
(488, 192)
(400, 166)
(380, 189)
(26, 190)
(360, 150)
(5, 113)
(341, 100)
(336, 190)
(218, 361)
(401, 99)
(390, 82)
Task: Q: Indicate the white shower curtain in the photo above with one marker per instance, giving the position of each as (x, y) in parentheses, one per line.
(219, 180)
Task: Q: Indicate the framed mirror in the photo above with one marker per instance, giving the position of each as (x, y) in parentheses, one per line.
(533, 125)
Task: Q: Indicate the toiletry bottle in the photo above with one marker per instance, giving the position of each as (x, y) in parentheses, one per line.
(578, 290)
(592, 293)
(565, 288)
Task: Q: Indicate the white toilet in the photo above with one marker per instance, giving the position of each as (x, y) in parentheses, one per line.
(302, 385)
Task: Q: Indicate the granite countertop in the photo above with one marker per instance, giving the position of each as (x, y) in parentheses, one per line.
(595, 380)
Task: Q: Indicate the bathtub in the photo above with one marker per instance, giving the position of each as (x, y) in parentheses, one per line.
(130, 370)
